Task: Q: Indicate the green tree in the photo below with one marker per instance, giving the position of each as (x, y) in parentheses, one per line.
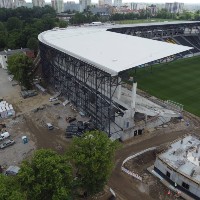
(163, 14)
(93, 156)
(48, 176)
(186, 15)
(3, 36)
(9, 189)
(14, 40)
(20, 65)
(32, 44)
(14, 23)
(62, 24)
(197, 15)
(48, 22)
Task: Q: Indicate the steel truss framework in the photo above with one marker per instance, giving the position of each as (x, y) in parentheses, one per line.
(88, 88)
(157, 31)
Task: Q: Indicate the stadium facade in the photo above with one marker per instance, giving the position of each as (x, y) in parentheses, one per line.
(90, 65)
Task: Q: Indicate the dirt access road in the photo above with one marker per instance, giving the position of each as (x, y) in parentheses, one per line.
(126, 187)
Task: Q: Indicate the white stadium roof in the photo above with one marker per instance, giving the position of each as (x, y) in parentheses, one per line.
(108, 51)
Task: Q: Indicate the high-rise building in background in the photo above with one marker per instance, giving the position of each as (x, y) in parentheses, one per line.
(174, 7)
(39, 3)
(138, 6)
(103, 3)
(58, 5)
(84, 4)
(152, 10)
(19, 3)
(71, 6)
(6, 3)
(118, 3)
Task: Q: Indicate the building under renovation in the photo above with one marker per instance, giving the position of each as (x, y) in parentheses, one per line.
(180, 165)
(90, 67)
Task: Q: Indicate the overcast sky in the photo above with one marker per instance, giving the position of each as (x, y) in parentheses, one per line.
(146, 1)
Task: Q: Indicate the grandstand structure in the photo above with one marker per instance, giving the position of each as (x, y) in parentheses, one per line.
(181, 33)
(90, 65)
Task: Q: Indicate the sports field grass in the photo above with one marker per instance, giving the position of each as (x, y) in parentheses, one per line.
(178, 81)
(136, 21)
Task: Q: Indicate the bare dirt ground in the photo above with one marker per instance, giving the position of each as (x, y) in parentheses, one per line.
(139, 166)
(31, 116)
(14, 154)
(129, 188)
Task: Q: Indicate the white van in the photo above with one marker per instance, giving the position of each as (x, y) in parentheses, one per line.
(49, 126)
(4, 136)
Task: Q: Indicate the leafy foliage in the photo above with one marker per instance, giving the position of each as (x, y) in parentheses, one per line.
(13, 23)
(93, 157)
(18, 26)
(32, 44)
(47, 176)
(19, 65)
(62, 24)
(9, 189)
(162, 14)
(86, 17)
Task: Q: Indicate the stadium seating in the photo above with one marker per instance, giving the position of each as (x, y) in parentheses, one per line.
(190, 41)
(170, 40)
(184, 42)
(194, 40)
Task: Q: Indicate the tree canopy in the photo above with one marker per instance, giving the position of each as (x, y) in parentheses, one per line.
(18, 26)
(32, 44)
(9, 189)
(48, 176)
(20, 65)
(85, 169)
(93, 157)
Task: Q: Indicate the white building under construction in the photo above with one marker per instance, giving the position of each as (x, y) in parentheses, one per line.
(180, 165)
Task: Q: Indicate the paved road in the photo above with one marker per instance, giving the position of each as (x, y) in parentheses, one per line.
(126, 187)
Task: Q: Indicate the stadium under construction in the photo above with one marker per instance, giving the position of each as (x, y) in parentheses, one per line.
(90, 67)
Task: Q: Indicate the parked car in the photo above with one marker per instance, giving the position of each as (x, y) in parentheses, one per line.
(53, 99)
(4, 136)
(49, 126)
(6, 143)
(12, 170)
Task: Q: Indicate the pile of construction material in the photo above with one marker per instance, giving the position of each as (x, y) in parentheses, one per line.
(28, 93)
(6, 110)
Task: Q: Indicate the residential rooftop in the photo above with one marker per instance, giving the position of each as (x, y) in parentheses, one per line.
(11, 52)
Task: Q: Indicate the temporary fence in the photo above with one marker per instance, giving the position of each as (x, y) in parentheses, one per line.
(131, 157)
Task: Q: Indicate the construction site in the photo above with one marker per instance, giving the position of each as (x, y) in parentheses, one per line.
(96, 84)
(76, 81)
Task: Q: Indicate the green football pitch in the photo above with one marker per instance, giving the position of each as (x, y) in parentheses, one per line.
(178, 81)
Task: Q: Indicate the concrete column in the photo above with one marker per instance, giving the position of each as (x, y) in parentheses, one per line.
(119, 88)
(145, 118)
(134, 88)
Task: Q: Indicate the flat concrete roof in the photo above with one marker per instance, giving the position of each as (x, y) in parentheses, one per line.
(184, 156)
(11, 52)
(109, 51)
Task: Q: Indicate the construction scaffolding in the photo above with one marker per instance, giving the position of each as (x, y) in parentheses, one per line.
(88, 88)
